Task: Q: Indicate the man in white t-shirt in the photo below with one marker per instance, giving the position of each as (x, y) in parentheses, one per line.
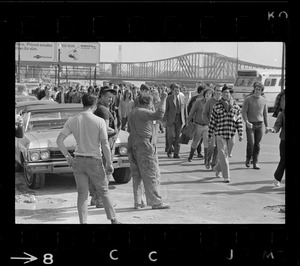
(90, 133)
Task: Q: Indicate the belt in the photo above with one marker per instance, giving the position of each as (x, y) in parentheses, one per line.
(86, 157)
(256, 123)
(200, 124)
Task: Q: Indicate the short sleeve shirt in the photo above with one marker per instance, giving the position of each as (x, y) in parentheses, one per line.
(88, 130)
(103, 112)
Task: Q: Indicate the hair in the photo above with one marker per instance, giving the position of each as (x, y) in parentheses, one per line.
(225, 88)
(127, 91)
(217, 86)
(208, 90)
(258, 84)
(155, 94)
(89, 100)
(145, 98)
(200, 88)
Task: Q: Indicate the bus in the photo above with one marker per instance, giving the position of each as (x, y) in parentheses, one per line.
(271, 79)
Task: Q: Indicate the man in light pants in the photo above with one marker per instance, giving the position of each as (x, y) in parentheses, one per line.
(225, 120)
(208, 107)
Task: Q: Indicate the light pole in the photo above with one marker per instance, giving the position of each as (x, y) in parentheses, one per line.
(95, 74)
(19, 62)
(58, 78)
(237, 57)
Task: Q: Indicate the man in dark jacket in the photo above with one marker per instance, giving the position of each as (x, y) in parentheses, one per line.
(200, 89)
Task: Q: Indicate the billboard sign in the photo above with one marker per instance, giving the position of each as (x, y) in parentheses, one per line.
(79, 52)
(35, 51)
(70, 52)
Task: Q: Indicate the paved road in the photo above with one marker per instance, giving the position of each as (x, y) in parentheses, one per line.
(195, 194)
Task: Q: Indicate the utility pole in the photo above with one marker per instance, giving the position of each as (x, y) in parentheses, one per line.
(58, 77)
(19, 62)
(237, 58)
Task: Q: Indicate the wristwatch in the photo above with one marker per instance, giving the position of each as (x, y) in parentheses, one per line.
(68, 155)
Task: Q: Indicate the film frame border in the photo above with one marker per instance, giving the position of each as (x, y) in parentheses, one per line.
(272, 19)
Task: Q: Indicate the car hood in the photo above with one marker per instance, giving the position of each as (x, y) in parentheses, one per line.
(47, 139)
(122, 137)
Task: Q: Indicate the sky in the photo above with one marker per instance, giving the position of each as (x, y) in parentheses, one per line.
(266, 53)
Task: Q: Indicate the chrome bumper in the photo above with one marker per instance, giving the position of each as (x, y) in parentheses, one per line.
(63, 167)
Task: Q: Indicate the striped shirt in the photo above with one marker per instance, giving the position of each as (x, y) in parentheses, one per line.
(224, 123)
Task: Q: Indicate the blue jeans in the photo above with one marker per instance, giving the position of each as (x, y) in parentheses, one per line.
(91, 168)
(254, 136)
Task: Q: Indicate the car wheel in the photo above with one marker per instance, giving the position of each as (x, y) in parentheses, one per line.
(122, 175)
(34, 180)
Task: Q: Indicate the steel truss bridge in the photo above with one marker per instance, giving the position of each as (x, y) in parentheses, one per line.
(191, 67)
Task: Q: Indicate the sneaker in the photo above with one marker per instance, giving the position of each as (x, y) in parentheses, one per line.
(276, 183)
(115, 221)
(226, 180)
(139, 206)
(161, 206)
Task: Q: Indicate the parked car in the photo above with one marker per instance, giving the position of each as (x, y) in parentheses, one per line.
(38, 153)
(23, 98)
(21, 107)
(21, 89)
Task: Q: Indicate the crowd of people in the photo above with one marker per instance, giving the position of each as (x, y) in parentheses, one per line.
(147, 110)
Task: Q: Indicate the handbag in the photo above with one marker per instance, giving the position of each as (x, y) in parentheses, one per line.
(187, 133)
(189, 129)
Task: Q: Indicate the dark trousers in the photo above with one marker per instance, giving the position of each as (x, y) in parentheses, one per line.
(173, 133)
(254, 136)
(281, 166)
(124, 122)
(199, 146)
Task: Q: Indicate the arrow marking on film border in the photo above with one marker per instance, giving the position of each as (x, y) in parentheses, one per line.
(30, 258)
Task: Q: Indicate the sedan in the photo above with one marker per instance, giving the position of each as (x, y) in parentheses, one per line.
(23, 98)
(37, 151)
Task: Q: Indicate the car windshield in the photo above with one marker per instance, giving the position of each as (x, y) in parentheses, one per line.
(22, 99)
(245, 81)
(47, 120)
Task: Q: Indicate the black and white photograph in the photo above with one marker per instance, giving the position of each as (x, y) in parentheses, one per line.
(150, 132)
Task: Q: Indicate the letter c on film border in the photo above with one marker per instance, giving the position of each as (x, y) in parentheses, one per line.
(150, 256)
(111, 254)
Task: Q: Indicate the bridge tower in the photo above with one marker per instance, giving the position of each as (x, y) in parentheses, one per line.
(120, 54)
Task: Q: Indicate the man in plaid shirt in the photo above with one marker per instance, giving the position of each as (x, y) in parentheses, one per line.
(225, 120)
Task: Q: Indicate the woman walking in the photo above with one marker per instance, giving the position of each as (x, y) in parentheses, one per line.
(125, 107)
